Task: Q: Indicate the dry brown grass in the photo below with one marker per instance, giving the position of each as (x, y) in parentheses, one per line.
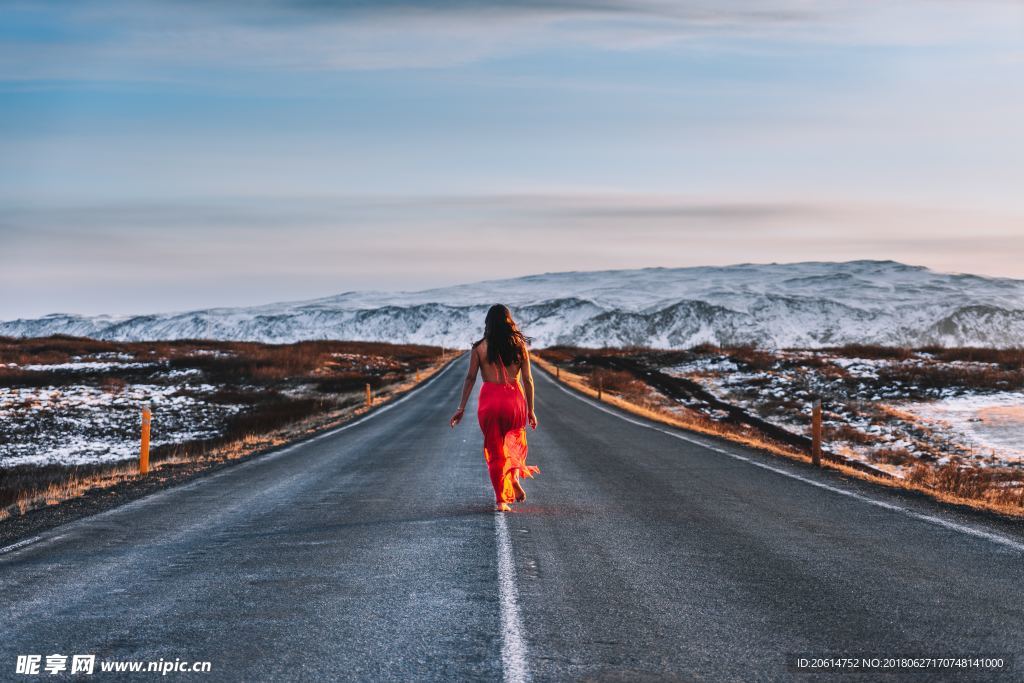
(1009, 359)
(940, 376)
(618, 382)
(50, 350)
(871, 352)
(848, 433)
(222, 362)
(753, 358)
(894, 456)
(557, 355)
(42, 488)
(997, 488)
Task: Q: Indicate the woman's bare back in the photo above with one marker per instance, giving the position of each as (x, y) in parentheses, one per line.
(491, 372)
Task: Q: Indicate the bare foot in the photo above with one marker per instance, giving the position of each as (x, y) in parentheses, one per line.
(502, 507)
(520, 491)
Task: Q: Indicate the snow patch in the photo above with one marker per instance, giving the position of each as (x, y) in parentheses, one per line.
(991, 424)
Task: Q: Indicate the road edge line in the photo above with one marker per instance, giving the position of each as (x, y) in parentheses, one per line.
(20, 544)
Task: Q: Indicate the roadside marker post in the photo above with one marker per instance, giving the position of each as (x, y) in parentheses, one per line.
(558, 372)
(369, 396)
(144, 449)
(816, 433)
(600, 385)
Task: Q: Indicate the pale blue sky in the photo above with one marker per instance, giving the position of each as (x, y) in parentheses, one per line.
(187, 153)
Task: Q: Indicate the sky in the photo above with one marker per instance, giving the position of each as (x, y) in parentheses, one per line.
(180, 154)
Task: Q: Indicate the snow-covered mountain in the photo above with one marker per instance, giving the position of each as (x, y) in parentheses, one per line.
(788, 305)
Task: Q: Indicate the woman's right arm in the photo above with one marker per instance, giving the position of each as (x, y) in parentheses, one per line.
(467, 387)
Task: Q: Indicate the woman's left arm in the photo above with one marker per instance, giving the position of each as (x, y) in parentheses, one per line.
(527, 375)
(467, 388)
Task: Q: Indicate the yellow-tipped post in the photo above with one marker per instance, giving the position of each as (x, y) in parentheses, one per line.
(369, 396)
(144, 449)
(816, 433)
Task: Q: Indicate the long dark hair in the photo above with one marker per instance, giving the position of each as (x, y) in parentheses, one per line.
(504, 340)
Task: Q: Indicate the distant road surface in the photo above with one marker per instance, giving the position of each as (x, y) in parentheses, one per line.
(643, 553)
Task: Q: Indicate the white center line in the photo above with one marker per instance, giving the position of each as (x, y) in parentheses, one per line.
(513, 647)
(931, 519)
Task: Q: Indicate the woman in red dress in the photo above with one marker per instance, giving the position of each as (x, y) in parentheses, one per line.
(505, 407)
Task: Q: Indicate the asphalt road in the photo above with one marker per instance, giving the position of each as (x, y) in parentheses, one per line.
(371, 553)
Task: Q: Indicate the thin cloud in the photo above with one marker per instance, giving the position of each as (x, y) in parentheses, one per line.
(135, 39)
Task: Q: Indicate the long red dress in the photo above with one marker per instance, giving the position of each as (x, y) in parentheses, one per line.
(502, 413)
